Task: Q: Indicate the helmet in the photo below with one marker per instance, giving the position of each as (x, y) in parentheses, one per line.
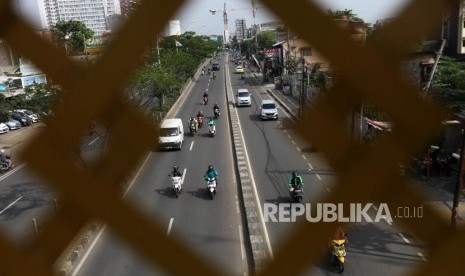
(175, 168)
(294, 174)
(2, 151)
(210, 167)
(200, 112)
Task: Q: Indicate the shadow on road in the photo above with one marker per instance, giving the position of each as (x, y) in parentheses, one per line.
(201, 193)
(168, 192)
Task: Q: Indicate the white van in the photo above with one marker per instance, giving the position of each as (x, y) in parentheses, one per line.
(171, 134)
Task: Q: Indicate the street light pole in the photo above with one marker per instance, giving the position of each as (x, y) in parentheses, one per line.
(302, 90)
(458, 184)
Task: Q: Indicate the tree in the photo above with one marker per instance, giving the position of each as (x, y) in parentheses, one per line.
(449, 84)
(73, 33)
(266, 39)
(340, 14)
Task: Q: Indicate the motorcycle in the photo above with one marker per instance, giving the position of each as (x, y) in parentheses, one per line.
(212, 130)
(177, 185)
(337, 251)
(297, 194)
(193, 129)
(211, 187)
(214, 76)
(216, 112)
(205, 100)
(6, 166)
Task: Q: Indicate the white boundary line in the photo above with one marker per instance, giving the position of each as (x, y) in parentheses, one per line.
(12, 171)
(93, 141)
(84, 258)
(169, 227)
(252, 180)
(404, 238)
(192, 145)
(11, 204)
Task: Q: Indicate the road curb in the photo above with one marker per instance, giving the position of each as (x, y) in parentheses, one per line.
(257, 236)
(80, 245)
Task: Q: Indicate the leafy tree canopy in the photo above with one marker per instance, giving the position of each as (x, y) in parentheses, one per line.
(75, 33)
(339, 14)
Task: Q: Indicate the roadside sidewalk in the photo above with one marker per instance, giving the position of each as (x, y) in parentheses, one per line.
(440, 191)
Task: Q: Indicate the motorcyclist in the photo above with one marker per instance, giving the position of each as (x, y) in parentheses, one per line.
(205, 97)
(340, 235)
(193, 120)
(295, 181)
(176, 172)
(211, 173)
(214, 76)
(4, 158)
(212, 124)
(200, 118)
(242, 75)
(215, 106)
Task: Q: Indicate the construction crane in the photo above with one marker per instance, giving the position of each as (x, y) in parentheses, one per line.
(225, 18)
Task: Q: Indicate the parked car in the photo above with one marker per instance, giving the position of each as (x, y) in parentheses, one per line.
(268, 110)
(34, 117)
(243, 97)
(13, 124)
(25, 121)
(239, 69)
(4, 128)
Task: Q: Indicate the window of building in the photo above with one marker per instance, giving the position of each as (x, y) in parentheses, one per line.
(305, 52)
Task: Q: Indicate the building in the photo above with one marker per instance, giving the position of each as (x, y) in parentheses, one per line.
(32, 11)
(294, 46)
(241, 30)
(94, 14)
(128, 7)
(174, 28)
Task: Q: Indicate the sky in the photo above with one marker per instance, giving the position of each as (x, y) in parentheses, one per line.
(195, 16)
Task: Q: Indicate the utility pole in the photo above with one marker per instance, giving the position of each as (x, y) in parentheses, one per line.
(302, 90)
(438, 57)
(458, 184)
(158, 49)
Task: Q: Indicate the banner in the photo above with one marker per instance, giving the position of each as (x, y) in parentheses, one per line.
(272, 52)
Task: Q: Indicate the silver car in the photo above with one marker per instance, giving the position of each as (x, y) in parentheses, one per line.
(13, 124)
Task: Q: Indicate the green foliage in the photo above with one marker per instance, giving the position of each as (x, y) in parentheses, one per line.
(4, 115)
(449, 85)
(339, 14)
(291, 65)
(160, 83)
(75, 33)
(266, 39)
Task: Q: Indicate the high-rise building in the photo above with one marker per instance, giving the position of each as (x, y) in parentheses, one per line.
(93, 13)
(241, 33)
(128, 6)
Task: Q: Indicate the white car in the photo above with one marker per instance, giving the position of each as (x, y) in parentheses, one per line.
(268, 110)
(4, 128)
(243, 97)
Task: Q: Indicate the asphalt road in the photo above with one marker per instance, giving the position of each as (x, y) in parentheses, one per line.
(275, 150)
(211, 227)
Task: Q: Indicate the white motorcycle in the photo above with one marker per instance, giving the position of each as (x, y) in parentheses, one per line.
(177, 185)
(212, 130)
(211, 187)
